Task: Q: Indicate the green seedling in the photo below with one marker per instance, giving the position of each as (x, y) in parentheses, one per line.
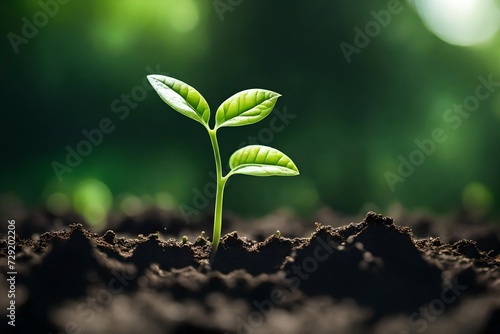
(244, 108)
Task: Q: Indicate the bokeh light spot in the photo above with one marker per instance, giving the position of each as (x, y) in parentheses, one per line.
(58, 203)
(92, 199)
(183, 16)
(131, 205)
(477, 198)
(165, 200)
(464, 22)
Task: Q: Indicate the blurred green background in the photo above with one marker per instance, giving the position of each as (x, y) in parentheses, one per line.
(352, 102)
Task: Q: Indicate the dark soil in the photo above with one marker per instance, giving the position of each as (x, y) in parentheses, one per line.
(375, 276)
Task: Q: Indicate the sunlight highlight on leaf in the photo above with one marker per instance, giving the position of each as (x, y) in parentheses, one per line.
(246, 107)
(258, 160)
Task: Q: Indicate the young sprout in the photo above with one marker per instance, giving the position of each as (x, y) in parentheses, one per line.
(243, 108)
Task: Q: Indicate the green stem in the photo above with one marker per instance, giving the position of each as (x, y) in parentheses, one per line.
(221, 182)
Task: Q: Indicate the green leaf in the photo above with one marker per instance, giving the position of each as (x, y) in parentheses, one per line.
(246, 107)
(258, 160)
(181, 97)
